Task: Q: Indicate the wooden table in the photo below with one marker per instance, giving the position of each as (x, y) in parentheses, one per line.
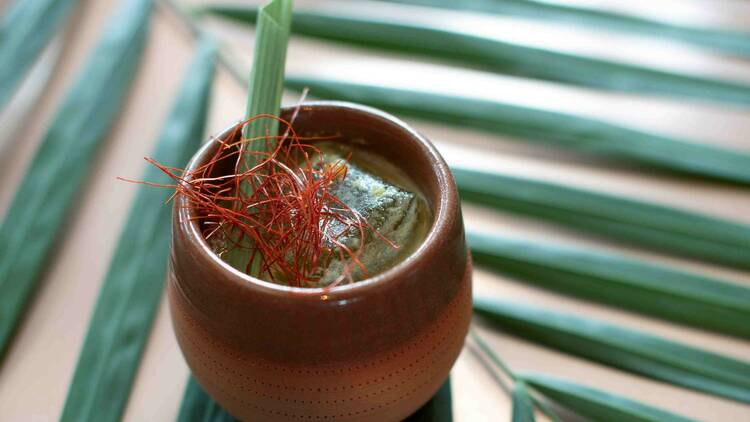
(36, 373)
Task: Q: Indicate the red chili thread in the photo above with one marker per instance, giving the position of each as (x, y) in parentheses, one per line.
(289, 214)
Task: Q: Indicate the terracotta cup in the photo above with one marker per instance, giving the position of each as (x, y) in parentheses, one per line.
(375, 350)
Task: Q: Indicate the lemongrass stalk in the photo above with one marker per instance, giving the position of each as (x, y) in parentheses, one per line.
(267, 76)
(264, 97)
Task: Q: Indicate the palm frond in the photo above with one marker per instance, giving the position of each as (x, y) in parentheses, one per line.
(595, 404)
(622, 348)
(24, 31)
(500, 56)
(721, 40)
(661, 291)
(129, 298)
(553, 129)
(637, 222)
(60, 166)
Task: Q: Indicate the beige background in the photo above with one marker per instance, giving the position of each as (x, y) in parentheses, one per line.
(35, 375)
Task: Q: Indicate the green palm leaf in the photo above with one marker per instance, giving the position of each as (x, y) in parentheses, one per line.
(500, 56)
(438, 409)
(661, 291)
(559, 130)
(197, 406)
(13, 118)
(130, 295)
(643, 223)
(732, 42)
(623, 348)
(595, 404)
(44, 198)
(24, 31)
(522, 406)
(585, 401)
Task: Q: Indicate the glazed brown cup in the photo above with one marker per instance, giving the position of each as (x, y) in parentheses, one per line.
(375, 350)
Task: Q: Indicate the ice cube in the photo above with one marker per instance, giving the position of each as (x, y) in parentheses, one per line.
(389, 209)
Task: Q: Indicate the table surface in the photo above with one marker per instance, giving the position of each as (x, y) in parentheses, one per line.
(37, 370)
